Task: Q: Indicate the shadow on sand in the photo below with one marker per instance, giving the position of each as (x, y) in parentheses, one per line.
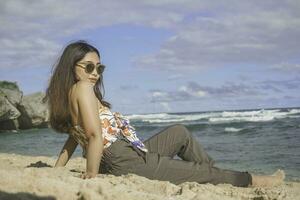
(39, 164)
(23, 196)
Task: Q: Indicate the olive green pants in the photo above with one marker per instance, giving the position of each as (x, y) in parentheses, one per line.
(159, 163)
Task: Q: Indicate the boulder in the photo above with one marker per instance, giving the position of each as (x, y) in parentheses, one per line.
(10, 97)
(12, 92)
(34, 111)
(8, 110)
(21, 112)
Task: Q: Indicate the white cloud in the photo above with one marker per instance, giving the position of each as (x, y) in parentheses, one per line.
(206, 32)
(286, 66)
(230, 91)
(195, 92)
(165, 106)
(175, 76)
(158, 94)
(28, 52)
(260, 33)
(33, 28)
(200, 93)
(183, 88)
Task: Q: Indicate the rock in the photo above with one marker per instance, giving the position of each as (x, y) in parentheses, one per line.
(12, 91)
(10, 97)
(21, 112)
(34, 111)
(8, 110)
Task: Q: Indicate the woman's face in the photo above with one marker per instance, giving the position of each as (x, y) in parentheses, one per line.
(80, 68)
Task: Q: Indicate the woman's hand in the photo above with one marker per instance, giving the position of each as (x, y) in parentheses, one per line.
(87, 175)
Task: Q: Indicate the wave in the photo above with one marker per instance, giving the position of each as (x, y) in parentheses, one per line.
(254, 116)
(165, 117)
(232, 129)
(294, 111)
(262, 115)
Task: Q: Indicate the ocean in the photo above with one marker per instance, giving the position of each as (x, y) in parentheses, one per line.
(258, 141)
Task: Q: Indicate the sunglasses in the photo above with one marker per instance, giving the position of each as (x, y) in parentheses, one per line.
(89, 68)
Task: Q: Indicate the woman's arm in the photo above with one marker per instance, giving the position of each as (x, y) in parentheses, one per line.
(66, 152)
(88, 111)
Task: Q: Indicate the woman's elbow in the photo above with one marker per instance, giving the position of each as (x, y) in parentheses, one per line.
(95, 139)
(93, 135)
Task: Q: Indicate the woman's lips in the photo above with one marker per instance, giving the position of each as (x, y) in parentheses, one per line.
(93, 80)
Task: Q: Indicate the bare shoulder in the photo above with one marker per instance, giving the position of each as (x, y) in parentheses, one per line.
(82, 87)
(81, 90)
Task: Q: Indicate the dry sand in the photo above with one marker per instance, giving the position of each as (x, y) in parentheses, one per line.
(29, 177)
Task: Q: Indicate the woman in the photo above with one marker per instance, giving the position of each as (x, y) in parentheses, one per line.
(109, 142)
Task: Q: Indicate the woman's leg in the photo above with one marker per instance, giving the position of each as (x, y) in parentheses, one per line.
(196, 164)
(179, 171)
(178, 140)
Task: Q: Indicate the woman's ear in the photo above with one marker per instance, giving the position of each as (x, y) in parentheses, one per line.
(76, 77)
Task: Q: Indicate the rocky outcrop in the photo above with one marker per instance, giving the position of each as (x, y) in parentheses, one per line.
(10, 98)
(21, 112)
(8, 110)
(34, 112)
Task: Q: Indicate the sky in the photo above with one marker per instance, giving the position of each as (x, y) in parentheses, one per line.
(162, 55)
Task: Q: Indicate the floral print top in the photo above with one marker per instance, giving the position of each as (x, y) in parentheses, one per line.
(114, 126)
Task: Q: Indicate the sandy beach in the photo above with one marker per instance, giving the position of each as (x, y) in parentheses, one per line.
(29, 177)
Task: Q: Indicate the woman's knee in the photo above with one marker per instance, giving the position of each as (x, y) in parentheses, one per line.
(180, 129)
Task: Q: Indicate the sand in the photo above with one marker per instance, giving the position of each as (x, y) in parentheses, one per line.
(30, 177)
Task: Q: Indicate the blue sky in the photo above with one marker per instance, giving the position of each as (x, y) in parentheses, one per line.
(163, 56)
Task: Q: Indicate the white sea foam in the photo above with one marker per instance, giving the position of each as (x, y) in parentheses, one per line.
(253, 116)
(232, 129)
(218, 117)
(294, 111)
(165, 118)
(147, 116)
(294, 116)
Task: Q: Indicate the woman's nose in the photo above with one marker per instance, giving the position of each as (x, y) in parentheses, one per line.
(94, 73)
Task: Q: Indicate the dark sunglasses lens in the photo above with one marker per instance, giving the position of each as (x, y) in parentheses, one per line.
(90, 68)
(100, 69)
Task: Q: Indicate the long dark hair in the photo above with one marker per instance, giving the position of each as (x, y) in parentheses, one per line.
(61, 81)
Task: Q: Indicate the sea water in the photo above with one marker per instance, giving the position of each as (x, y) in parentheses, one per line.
(258, 141)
